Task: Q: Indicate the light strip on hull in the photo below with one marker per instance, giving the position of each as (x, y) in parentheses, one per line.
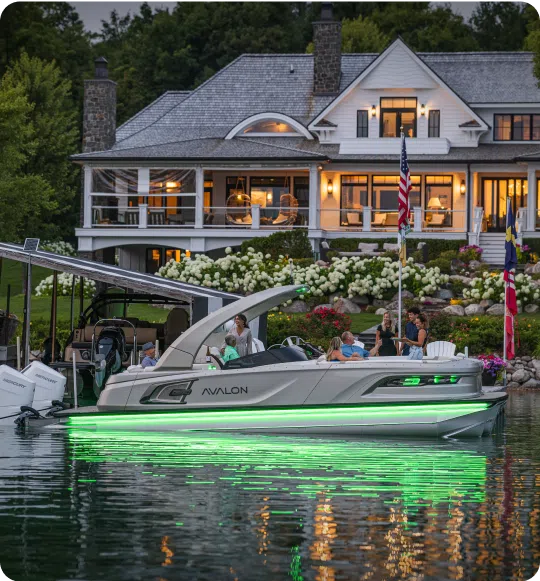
(325, 414)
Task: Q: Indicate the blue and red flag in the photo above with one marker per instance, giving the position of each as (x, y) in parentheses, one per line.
(510, 298)
(403, 200)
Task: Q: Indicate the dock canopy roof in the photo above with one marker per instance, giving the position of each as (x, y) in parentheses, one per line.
(120, 277)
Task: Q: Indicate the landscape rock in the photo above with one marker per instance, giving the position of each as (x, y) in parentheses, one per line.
(526, 358)
(325, 306)
(496, 310)
(521, 376)
(532, 268)
(379, 302)
(346, 306)
(322, 263)
(531, 383)
(475, 264)
(457, 264)
(536, 364)
(460, 278)
(474, 310)
(360, 300)
(455, 310)
(537, 374)
(445, 294)
(513, 384)
(296, 307)
(486, 303)
(380, 311)
(404, 295)
(532, 308)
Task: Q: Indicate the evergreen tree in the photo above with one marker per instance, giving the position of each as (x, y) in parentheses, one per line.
(500, 25)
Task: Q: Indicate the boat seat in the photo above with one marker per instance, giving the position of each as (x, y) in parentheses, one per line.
(177, 323)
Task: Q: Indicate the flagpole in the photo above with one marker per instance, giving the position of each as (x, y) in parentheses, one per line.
(505, 300)
(400, 271)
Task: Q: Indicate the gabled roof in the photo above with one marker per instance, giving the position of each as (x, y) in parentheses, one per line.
(397, 44)
(254, 84)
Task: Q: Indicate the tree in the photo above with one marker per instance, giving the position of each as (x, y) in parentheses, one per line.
(24, 198)
(500, 25)
(53, 118)
(532, 42)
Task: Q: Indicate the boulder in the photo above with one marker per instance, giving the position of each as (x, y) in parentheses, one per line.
(521, 376)
(512, 384)
(444, 294)
(526, 358)
(537, 374)
(322, 263)
(533, 268)
(456, 264)
(346, 306)
(536, 364)
(495, 310)
(531, 383)
(486, 303)
(475, 264)
(360, 300)
(455, 310)
(380, 311)
(405, 294)
(379, 302)
(532, 308)
(474, 310)
(296, 307)
(458, 277)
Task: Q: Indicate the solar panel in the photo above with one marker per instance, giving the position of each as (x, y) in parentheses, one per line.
(31, 244)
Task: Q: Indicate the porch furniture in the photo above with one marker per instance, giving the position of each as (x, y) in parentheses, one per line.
(353, 219)
(441, 349)
(176, 219)
(389, 247)
(364, 249)
(391, 220)
(131, 217)
(378, 220)
(238, 211)
(209, 219)
(385, 220)
(156, 217)
(288, 210)
(435, 220)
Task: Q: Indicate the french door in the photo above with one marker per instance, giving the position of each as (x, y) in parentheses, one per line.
(495, 193)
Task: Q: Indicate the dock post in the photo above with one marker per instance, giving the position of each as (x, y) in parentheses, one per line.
(75, 394)
(53, 315)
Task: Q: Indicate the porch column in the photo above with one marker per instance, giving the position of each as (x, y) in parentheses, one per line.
(87, 215)
(366, 219)
(199, 198)
(417, 212)
(314, 197)
(531, 199)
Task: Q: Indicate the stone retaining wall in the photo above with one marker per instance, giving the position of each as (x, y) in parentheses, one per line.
(523, 372)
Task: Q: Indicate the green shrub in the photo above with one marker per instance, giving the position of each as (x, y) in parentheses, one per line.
(302, 262)
(40, 330)
(457, 287)
(449, 254)
(443, 263)
(293, 243)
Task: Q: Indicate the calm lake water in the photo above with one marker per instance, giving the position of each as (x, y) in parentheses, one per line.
(166, 507)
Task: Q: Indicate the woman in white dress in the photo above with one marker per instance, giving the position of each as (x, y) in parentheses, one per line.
(242, 333)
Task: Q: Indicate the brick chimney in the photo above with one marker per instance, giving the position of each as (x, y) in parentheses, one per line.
(99, 115)
(327, 53)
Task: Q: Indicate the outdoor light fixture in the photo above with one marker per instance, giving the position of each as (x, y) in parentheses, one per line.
(319, 167)
(188, 253)
(422, 109)
(269, 196)
(462, 188)
(373, 110)
(330, 187)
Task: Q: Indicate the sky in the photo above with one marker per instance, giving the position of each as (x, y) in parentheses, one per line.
(92, 13)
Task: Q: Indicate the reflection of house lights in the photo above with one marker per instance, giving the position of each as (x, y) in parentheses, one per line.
(171, 185)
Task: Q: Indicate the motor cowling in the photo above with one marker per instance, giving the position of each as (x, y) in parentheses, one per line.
(16, 390)
(50, 385)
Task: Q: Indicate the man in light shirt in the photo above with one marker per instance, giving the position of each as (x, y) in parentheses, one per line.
(348, 347)
(149, 350)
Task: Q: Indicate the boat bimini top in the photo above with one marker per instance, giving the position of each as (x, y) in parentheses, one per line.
(181, 354)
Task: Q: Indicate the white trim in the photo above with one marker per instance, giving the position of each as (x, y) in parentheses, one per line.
(397, 43)
(505, 105)
(271, 116)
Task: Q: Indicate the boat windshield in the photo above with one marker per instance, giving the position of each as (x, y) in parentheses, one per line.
(271, 357)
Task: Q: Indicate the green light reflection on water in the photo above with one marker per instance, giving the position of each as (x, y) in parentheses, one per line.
(411, 474)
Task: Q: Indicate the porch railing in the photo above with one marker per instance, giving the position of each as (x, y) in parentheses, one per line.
(255, 218)
(143, 216)
(369, 219)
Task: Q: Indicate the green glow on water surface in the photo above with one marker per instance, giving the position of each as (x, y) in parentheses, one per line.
(231, 418)
(409, 474)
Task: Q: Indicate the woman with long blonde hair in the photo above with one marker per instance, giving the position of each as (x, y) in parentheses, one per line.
(334, 352)
(385, 331)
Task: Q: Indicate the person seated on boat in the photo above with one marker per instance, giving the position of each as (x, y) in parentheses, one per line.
(334, 352)
(411, 330)
(230, 351)
(242, 333)
(348, 348)
(417, 347)
(150, 359)
(386, 331)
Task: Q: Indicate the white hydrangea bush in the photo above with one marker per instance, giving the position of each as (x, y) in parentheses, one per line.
(491, 286)
(349, 276)
(44, 288)
(63, 248)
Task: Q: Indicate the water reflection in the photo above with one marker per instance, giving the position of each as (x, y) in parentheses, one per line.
(80, 504)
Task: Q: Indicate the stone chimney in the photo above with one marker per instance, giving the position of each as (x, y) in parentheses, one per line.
(327, 53)
(99, 116)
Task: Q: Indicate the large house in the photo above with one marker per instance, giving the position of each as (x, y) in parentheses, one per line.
(312, 141)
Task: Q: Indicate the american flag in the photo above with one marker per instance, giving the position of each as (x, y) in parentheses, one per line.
(510, 263)
(403, 198)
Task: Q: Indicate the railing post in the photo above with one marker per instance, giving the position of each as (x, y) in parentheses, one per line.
(314, 197)
(366, 219)
(199, 198)
(143, 215)
(477, 223)
(532, 209)
(87, 210)
(256, 217)
(417, 211)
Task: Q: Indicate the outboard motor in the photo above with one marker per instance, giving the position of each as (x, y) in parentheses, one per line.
(16, 391)
(50, 386)
(109, 352)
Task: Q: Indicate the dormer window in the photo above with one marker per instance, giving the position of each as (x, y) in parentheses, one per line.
(398, 112)
(269, 126)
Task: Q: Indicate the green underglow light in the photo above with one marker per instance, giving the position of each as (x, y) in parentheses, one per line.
(412, 381)
(198, 418)
(414, 475)
(454, 379)
(302, 290)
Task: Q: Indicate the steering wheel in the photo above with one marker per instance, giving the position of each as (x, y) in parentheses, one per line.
(288, 341)
(217, 360)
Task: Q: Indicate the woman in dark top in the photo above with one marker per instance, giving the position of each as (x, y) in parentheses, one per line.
(418, 346)
(385, 332)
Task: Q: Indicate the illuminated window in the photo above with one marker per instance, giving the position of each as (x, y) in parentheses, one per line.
(269, 126)
(385, 192)
(397, 112)
(516, 128)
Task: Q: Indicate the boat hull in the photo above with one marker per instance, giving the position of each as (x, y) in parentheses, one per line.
(465, 418)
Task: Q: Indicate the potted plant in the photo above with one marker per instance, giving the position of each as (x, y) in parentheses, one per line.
(493, 369)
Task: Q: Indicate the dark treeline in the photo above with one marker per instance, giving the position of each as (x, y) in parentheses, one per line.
(45, 54)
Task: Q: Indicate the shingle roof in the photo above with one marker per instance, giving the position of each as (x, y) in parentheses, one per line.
(264, 84)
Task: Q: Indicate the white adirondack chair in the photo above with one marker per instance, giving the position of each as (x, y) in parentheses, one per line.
(441, 348)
